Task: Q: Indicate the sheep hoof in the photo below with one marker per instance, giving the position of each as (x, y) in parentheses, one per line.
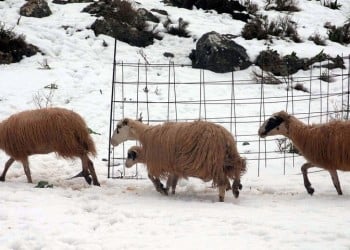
(240, 186)
(88, 179)
(235, 193)
(310, 190)
(2, 178)
(163, 191)
(221, 199)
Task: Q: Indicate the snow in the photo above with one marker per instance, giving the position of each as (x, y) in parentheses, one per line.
(273, 211)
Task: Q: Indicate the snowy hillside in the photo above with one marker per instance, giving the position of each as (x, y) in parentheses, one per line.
(273, 211)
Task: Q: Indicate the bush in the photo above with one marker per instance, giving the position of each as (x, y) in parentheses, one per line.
(326, 77)
(339, 34)
(13, 47)
(281, 5)
(270, 60)
(332, 5)
(252, 8)
(256, 28)
(179, 29)
(286, 146)
(317, 39)
(284, 27)
(260, 28)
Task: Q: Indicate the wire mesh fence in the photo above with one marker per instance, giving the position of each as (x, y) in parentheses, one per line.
(239, 101)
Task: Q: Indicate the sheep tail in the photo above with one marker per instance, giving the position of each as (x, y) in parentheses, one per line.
(87, 143)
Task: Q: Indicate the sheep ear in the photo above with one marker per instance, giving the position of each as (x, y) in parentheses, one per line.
(125, 122)
(283, 115)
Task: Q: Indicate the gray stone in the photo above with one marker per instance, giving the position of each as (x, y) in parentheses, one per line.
(219, 53)
(35, 8)
(123, 22)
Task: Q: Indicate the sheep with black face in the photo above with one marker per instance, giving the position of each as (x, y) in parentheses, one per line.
(324, 145)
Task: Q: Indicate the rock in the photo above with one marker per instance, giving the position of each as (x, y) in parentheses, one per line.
(5, 58)
(119, 20)
(168, 55)
(71, 1)
(219, 53)
(122, 32)
(35, 8)
(162, 12)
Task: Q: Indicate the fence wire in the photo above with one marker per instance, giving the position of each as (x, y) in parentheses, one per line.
(237, 100)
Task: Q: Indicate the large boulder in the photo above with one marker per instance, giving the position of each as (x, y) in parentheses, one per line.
(120, 20)
(219, 53)
(122, 32)
(35, 8)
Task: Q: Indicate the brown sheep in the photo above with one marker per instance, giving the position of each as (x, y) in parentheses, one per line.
(43, 131)
(187, 149)
(136, 154)
(323, 145)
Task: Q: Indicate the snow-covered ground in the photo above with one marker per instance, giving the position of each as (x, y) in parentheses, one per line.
(273, 211)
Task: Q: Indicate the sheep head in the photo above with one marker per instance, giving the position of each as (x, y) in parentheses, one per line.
(134, 156)
(123, 132)
(277, 124)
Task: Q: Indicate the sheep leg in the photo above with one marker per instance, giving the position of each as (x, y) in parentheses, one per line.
(7, 166)
(158, 185)
(239, 166)
(222, 190)
(307, 182)
(85, 166)
(27, 170)
(335, 180)
(172, 181)
(236, 186)
(228, 184)
(92, 172)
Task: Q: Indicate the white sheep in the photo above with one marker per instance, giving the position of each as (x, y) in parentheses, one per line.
(323, 145)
